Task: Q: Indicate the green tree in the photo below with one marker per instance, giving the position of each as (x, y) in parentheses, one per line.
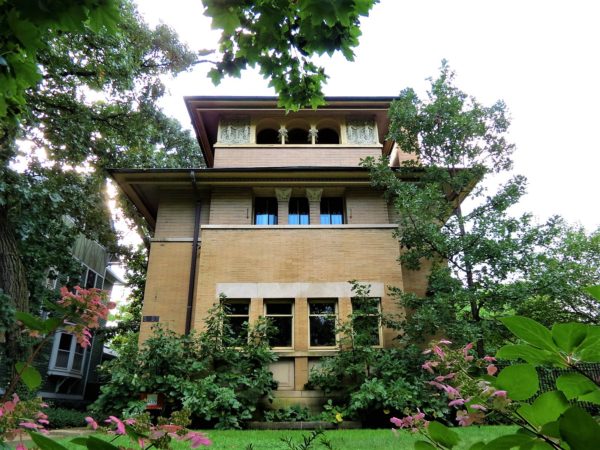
(281, 37)
(476, 254)
(570, 261)
(95, 107)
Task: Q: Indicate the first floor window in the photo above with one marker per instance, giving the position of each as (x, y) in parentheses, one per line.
(322, 316)
(299, 214)
(281, 315)
(265, 211)
(332, 211)
(238, 315)
(366, 320)
(67, 355)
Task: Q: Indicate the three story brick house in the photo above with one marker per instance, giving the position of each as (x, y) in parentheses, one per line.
(279, 221)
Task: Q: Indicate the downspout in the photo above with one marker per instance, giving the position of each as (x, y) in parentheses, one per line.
(192, 283)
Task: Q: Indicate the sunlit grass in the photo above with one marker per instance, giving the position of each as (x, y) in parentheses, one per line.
(341, 439)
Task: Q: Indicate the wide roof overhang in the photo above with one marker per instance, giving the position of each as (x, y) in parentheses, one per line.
(205, 112)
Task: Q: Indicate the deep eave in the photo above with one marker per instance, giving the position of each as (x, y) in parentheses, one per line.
(143, 186)
(205, 111)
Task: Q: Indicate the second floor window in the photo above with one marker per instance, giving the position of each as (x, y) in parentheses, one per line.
(67, 355)
(265, 211)
(299, 214)
(332, 211)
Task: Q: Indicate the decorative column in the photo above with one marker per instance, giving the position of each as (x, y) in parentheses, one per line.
(344, 311)
(313, 134)
(283, 204)
(300, 342)
(314, 204)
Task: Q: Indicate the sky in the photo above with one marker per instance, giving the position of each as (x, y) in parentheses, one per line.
(540, 57)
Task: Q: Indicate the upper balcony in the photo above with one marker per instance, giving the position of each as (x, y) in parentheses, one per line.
(251, 132)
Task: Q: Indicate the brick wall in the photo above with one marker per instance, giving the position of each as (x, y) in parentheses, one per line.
(366, 206)
(292, 156)
(231, 206)
(167, 286)
(175, 217)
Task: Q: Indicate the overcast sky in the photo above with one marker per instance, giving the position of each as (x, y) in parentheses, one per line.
(540, 57)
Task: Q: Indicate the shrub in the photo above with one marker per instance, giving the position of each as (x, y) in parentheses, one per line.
(217, 375)
(65, 418)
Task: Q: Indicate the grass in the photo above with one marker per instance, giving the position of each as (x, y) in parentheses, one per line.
(340, 439)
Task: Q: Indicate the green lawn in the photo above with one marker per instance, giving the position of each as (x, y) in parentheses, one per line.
(341, 439)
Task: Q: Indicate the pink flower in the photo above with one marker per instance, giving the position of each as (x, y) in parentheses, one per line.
(457, 402)
(491, 369)
(43, 421)
(445, 341)
(465, 351)
(438, 351)
(465, 419)
(489, 359)
(120, 425)
(479, 407)
(499, 394)
(129, 421)
(396, 421)
(20, 446)
(92, 423)
(197, 439)
(141, 443)
(29, 425)
(429, 365)
(451, 392)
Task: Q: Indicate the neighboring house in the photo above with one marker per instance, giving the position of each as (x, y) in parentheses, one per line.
(280, 220)
(71, 370)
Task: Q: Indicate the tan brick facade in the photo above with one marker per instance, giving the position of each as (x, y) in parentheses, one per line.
(298, 263)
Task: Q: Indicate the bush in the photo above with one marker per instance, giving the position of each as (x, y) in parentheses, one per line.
(370, 383)
(217, 375)
(293, 413)
(65, 418)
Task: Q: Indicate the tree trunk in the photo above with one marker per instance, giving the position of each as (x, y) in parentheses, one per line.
(13, 280)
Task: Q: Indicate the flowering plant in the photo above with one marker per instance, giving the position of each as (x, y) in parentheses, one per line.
(477, 388)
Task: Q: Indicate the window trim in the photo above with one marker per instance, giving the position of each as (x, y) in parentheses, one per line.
(291, 302)
(335, 315)
(68, 371)
(378, 315)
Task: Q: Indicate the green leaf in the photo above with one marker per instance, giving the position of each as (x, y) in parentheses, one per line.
(530, 331)
(568, 336)
(509, 441)
(442, 434)
(546, 408)
(79, 441)
(594, 291)
(575, 384)
(520, 381)
(30, 375)
(94, 443)
(591, 397)
(529, 354)
(423, 445)
(30, 321)
(551, 429)
(579, 429)
(27, 33)
(45, 443)
(589, 350)
(477, 446)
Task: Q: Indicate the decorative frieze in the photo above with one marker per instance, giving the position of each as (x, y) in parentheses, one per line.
(361, 131)
(234, 130)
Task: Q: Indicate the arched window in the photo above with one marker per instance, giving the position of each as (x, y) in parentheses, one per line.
(328, 136)
(268, 136)
(298, 136)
